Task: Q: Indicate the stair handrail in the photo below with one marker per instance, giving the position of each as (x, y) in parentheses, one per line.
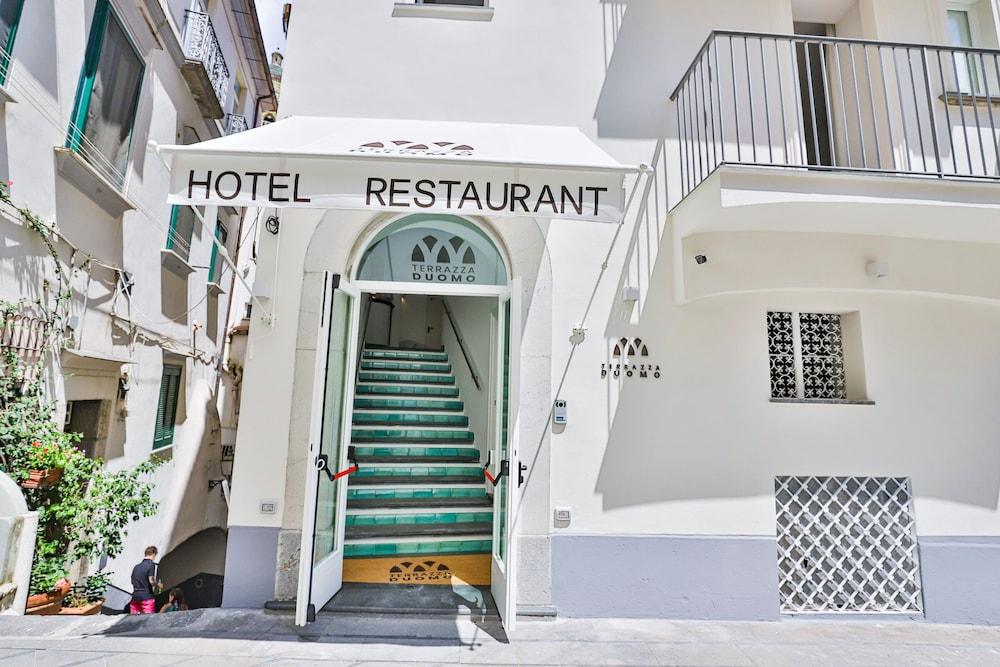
(461, 344)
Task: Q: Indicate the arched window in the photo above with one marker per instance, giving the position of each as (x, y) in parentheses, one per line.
(431, 248)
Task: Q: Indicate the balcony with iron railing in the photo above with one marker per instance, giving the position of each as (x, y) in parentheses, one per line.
(236, 123)
(205, 68)
(814, 163)
(823, 104)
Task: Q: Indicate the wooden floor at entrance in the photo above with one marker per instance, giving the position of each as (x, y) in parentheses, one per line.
(439, 569)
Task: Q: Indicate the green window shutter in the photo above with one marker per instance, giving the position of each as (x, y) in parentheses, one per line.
(10, 17)
(181, 232)
(173, 227)
(166, 409)
(107, 96)
(81, 104)
(215, 269)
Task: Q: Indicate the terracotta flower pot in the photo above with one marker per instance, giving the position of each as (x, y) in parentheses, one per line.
(89, 609)
(55, 595)
(40, 479)
(49, 609)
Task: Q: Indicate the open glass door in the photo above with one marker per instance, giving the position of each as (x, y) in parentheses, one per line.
(506, 491)
(321, 562)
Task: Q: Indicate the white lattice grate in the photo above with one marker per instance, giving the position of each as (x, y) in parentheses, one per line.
(846, 544)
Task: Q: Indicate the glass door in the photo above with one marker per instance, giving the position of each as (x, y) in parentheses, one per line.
(321, 563)
(507, 489)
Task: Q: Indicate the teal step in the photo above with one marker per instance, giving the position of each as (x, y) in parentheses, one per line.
(404, 378)
(408, 419)
(416, 494)
(416, 454)
(407, 404)
(415, 366)
(418, 548)
(418, 519)
(432, 530)
(417, 475)
(412, 355)
(404, 390)
(375, 498)
(415, 435)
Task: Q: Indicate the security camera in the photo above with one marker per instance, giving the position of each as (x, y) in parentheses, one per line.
(700, 259)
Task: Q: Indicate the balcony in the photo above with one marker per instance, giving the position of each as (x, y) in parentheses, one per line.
(205, 68)
(793, 106)
(801, 159)
(236, 123)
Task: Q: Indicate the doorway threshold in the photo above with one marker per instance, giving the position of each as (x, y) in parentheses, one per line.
(458, 599)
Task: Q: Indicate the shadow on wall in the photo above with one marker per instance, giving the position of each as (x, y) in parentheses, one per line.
(196, 461)
(690, 434)
(705, 429)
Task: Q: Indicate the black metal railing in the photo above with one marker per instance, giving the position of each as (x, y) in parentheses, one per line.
(838, 104)
(236, 123)
(202, 44)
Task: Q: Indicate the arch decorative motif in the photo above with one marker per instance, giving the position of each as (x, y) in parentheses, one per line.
(429, 248)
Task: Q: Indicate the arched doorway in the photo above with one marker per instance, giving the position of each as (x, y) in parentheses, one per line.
(416, 364)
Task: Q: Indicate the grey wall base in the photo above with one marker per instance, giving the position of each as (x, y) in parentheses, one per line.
(961, 579)
(665, 576)
(251, 560)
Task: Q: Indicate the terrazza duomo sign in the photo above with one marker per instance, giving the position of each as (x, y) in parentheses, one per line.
(340, 188)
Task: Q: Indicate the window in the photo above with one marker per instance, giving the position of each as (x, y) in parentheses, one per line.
(106, 99)
(215, 266)
(966, 67)
(166, 409)
(182, 223)
(10, 16)
(807, 356)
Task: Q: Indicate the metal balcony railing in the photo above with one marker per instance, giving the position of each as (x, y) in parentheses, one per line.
(827, 103)
(236, 123)
(202, 45)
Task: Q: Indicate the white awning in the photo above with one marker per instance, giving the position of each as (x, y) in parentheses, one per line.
(403, 166)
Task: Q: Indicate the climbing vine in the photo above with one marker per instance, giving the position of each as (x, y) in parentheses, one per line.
(85, 514)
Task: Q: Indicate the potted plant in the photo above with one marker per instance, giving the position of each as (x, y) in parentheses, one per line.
(88, 599)
(49, 602)
(46, 462)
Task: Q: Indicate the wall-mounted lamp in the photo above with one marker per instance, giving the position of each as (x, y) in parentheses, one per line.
(701, 259)
(272, 224)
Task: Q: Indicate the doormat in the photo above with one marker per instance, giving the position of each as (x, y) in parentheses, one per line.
(471, 569)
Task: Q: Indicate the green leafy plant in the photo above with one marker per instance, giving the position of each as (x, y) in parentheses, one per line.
(86, 514)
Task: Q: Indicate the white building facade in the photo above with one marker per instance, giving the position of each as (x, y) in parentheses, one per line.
(767, 391)
(141, 286)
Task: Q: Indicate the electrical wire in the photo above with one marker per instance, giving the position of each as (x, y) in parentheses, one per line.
(107, 170)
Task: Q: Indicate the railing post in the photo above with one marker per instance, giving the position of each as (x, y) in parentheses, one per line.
(930, 109)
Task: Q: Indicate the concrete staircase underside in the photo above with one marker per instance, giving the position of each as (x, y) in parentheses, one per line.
(417, 509)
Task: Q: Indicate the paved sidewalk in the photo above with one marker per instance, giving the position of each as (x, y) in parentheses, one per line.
(236, 638)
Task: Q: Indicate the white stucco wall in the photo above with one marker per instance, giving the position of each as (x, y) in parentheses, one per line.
(694, 452)
(47, 60)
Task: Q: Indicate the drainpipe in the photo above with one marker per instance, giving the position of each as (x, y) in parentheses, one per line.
(256, 108)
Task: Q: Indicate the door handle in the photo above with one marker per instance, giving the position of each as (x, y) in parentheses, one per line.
(521, 468)
(323, 465)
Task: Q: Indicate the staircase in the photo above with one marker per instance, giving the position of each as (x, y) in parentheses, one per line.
(417, 509)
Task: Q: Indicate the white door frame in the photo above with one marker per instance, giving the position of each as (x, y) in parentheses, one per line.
(503, 582)
(318, 582)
